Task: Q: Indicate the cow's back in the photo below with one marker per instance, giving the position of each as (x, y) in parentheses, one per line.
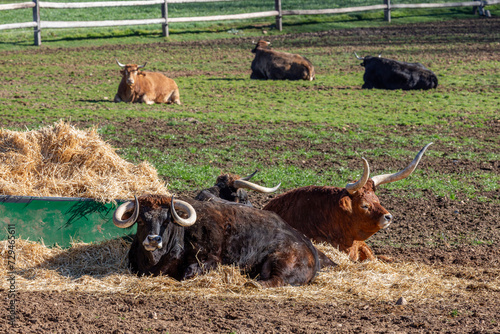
(253, 238)
(275, 65)
(391, 74)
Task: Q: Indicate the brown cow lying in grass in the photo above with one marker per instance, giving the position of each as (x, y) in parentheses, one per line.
(342, 217)
(276, 65)
(147, 87)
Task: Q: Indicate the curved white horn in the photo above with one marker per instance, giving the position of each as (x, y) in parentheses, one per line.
(353, 187)
(190, 220)
(141, 66)
(387, 178)
(241, 183)
(119, 64)
(122, 209)
(360, 58)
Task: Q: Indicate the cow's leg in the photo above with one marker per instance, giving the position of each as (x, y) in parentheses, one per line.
(359, 251)
(201, 267)
(175, 97)
(148, 100)
(296, 265)
(325, 261)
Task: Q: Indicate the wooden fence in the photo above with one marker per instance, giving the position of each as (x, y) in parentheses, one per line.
(37, 24)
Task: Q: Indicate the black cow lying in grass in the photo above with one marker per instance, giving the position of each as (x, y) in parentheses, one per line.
(386, 73)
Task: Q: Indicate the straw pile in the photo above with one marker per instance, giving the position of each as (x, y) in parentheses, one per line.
(102, 268)
(62, 161)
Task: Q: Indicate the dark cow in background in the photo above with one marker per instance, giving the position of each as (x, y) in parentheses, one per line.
(386, 73)
(210, 233)
(146, 87)
(229, 188)
(276, 65)
(343, 217)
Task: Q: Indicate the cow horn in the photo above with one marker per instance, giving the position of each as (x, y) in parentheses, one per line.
(119, 64)
(241, 183)
(353, 187)
(141, 66)
(386, 178)
(122, 209)
(360, 58)
(190, 220)
(247, 178)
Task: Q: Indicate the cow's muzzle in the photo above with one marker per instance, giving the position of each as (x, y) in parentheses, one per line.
(385, 221)
(152, 243)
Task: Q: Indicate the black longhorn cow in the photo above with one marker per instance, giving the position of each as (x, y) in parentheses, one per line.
(212, 233)
(230, 188)
(386, 73)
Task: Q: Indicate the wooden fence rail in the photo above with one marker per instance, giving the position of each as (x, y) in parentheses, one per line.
(38, 24)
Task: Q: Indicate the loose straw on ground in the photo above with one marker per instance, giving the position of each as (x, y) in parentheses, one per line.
(102, 268)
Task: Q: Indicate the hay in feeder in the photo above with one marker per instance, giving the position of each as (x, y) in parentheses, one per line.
(63, 161)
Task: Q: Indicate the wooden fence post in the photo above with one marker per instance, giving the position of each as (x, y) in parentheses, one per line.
(279, 23)
(164, 14)
(36, 18)
(387, 11)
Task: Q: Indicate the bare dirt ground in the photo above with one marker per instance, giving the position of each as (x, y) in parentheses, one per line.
(460, 237)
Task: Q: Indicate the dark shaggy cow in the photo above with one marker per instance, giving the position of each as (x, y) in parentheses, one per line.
(343, 217)
(386, 73)
(229, 188)
(211, 233)
(146, 87)
(276, 65)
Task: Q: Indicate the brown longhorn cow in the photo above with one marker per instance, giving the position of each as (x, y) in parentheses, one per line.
(146, 87)
(342, 217)
(276, 65)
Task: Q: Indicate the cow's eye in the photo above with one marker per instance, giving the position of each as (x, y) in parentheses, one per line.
(365, 206)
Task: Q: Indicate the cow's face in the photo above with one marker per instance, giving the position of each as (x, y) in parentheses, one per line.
(151, 227)
(365, 213)
(369, 59)
(158, 224)
(228, 191)
(261, 45)
(130, 73)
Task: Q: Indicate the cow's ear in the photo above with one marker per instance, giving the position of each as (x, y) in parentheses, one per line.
(346, 204)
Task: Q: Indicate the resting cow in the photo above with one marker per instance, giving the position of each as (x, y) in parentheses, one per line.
(343, 217)
(229, 188)
(275, 65)
(146, 87)
(386, 73)
(212, 233)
